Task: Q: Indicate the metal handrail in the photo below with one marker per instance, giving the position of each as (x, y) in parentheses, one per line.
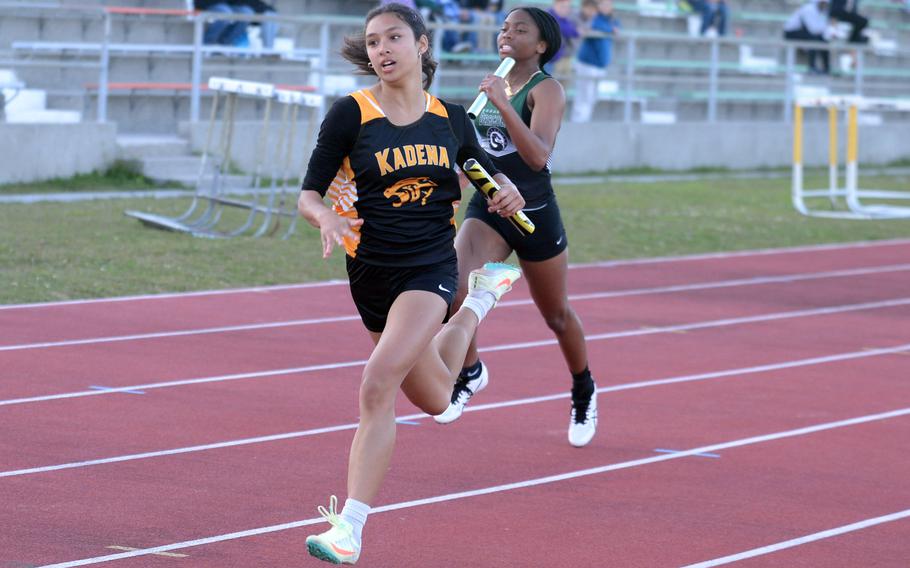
(628, 42)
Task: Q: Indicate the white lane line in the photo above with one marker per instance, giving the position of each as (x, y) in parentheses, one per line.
(474, 408)
(758, 280)
(803, 540)
(744, 253)
(172, 295)
(504, 347)
(183, 382)
(575, 297)
(708, 324)
(179, 333)
(610, 263)
(500, 488)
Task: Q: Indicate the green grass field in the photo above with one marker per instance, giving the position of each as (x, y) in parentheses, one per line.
(121, 176)
(55, 251)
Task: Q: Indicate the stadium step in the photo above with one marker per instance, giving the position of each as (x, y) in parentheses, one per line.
(170, 167)
(184, 169)
(20, 105)
(139, 147)
(42, 116)
(229, 182)
(170, 159)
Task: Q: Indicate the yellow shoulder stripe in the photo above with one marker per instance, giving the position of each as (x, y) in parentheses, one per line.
(369, 108)
(436, 107)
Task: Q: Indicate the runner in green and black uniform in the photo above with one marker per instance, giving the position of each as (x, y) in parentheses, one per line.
(518, 128)
(549, 238)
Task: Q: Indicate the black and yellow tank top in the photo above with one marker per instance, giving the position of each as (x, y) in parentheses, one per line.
(399, 179)
(493, 137)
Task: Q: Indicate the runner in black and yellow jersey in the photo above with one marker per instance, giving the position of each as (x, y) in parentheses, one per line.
(517, 128)
(386, 157)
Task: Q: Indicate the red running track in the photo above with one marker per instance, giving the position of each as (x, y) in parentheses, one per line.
(653, 509)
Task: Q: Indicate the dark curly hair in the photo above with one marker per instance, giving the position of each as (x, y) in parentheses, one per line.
(355, 47)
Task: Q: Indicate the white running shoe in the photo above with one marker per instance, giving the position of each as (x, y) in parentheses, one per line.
(583, 422)
(494, 277)
(465, 388)
(336, 545)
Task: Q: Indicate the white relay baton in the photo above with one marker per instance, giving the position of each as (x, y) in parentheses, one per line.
(481, 101)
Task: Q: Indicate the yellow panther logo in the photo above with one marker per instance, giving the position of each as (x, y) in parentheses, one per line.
(410, 190)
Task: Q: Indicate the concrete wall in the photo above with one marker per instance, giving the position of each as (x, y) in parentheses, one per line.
(604, 146)
(244, 148)
(33, 152)
(601, 147)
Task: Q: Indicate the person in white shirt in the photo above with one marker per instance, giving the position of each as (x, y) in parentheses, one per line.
(811, 23)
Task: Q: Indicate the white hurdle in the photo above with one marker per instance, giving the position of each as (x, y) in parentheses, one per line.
(849, 201)
(294, 101)
(267, 207)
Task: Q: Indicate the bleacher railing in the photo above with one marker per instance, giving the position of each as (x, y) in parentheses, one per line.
(633, 73)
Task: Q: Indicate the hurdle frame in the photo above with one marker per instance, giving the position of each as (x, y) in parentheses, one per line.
(851, 197)
(202, 217)
(281, 202)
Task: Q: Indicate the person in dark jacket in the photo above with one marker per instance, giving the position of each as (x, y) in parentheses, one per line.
(846, 11)
(234, 33)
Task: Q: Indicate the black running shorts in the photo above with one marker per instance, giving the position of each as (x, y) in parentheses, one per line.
(549, 236)
(375, 288)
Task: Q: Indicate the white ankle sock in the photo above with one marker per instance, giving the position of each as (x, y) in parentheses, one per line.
(480, 302)
(356, 513)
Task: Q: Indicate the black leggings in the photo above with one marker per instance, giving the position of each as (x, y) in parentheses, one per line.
(857, 22)
(804, 34)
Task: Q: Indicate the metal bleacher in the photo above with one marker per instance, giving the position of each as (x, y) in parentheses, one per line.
(137, 61)
(671, 69)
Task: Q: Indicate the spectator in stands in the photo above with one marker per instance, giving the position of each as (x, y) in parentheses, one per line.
(465, 12)
(561, 64)
(593, 55)
(486, 13)
(492, 6)
(234, 33)
(846, 11)
(713, 15)
(810, 23)
(451, 12)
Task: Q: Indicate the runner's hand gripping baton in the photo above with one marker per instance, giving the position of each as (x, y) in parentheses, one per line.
(481, 101)
(488, 186)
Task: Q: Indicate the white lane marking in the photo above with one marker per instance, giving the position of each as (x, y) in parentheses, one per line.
(610, 263)
(504, 347)
(180, 333)
(803, 540)
(510, 303)
(499, 488)
(475, 408)
(708, 324)
(171, 295)
(743, 253)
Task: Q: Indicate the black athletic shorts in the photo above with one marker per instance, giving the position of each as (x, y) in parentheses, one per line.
(549, 236)
(374, 288)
